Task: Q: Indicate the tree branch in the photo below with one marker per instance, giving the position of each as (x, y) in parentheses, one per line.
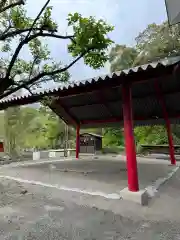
(25, 41)
(43, 74)
(5, 35)
(20, 2)
(14, 57)
(32, 67)
(40, 81)
(27, 88)
(5, 84)
(38, 16)
(8, 28)
(44, 34)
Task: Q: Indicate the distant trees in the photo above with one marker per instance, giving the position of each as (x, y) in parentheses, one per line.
(122, 57)
(113, 137)
(13, 131)
(88, 41)
(155, 42)
(34, 128)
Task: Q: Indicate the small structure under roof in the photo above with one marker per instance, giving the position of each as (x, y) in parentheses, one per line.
(144, 95)
(90, 143)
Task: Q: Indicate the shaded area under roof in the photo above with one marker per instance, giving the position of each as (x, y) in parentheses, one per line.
(97, 102)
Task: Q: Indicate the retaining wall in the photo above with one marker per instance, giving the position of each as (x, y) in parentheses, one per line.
(52, 154)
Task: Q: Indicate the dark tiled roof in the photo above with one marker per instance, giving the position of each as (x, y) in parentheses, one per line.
(91, 101)
(161, 63)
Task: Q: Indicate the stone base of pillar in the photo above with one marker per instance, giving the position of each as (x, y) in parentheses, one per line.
(141, 197)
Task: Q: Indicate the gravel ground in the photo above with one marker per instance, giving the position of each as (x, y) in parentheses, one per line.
(34, 212)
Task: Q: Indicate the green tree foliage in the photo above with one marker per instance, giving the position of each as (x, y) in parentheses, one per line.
(151, 135)
(35, 128)
(2, 129)
(121, 57)
(13, 131)
(88, 40)
(155, 42)
(113, 137)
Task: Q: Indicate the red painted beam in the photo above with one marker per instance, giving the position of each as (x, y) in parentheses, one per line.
(114, 120)
(117, 120)
(131, 161)
(167, 121)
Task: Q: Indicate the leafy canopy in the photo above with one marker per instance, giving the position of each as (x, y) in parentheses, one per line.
(88, 40)
(155, 42)
(89, 36)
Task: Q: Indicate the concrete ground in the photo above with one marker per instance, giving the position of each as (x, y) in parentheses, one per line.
(104, 175)
(34, 212)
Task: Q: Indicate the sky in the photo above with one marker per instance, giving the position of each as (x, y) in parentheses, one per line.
(128, 16)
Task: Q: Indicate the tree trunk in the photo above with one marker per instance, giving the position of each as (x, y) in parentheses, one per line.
(12, 131)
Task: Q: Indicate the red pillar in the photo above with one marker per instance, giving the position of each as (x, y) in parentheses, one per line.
(129, 139)
(170, 140)
(77, 141)
(168, 124)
